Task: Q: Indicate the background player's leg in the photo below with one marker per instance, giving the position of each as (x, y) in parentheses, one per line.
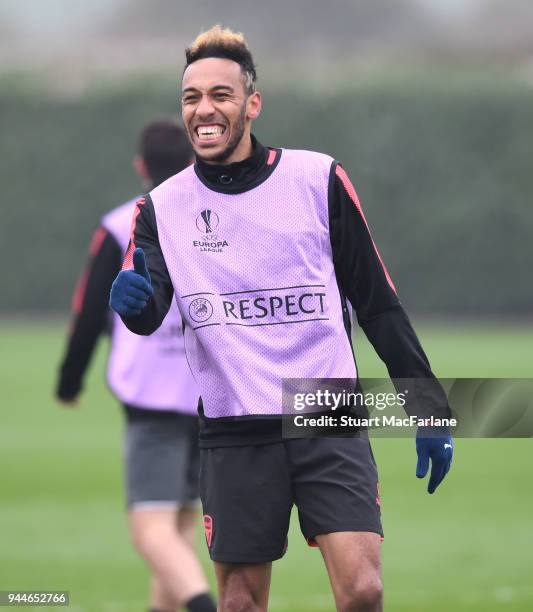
(169, 556)
(186, 523)
(353, 561)
(161, 476)
(243, 587)
(160, 599)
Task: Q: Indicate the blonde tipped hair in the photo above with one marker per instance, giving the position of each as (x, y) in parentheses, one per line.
(218, 36)
(227, 44)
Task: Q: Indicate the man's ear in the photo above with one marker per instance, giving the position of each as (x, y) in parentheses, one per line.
(140, 168)
(254, 106)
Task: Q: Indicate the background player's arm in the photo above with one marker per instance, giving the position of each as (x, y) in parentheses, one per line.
(90, 312)
(364, 280)
(144, 235)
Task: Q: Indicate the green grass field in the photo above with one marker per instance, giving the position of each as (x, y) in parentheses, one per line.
(467, 548)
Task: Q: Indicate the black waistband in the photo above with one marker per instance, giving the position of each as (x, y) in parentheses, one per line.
(239, 431)
(258, 430)
(136, 413)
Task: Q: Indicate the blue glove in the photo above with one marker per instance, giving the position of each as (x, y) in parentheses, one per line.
(132, 289)
(437, 444)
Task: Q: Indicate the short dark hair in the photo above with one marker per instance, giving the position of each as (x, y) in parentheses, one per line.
(165, 149)
(227, 44)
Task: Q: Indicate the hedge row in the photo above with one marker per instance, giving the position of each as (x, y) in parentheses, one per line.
(445, 175)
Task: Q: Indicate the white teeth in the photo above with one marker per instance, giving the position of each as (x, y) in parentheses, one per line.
(210, 132)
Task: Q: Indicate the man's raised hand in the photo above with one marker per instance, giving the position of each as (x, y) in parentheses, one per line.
(132, 289)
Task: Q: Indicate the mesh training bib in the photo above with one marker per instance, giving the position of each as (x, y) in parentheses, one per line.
(254, 281)
(148, 371)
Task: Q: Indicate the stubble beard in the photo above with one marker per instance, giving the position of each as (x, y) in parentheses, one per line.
(233, 143)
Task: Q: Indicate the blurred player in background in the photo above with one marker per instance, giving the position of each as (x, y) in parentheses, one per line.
(151, 378)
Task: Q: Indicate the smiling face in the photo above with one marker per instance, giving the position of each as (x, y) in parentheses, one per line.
(217, 111)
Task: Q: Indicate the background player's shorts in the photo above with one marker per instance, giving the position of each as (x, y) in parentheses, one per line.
(162, 459)
(248, 492)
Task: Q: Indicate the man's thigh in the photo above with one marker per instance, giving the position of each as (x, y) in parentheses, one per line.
(246, 498)
(353, 562)
(335, 485)
(243, 586)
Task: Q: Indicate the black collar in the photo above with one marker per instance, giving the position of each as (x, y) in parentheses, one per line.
(239, 176)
